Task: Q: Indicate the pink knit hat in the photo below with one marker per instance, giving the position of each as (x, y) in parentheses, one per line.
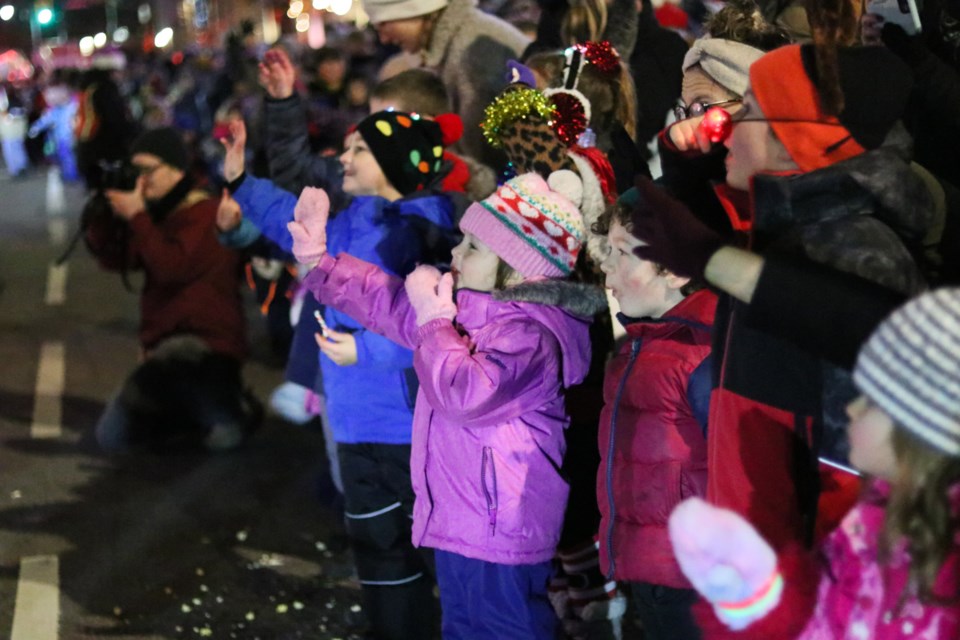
(532, 224)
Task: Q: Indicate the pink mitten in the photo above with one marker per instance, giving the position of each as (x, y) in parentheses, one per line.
(309, 226)
(727, 561)
(430, 294)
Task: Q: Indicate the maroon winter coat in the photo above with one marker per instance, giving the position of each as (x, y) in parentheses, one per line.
(192, 284)
(652, 447)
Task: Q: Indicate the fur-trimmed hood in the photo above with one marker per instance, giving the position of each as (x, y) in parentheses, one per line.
(579, 298)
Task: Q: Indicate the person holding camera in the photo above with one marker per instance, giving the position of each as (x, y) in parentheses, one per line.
(187, 389)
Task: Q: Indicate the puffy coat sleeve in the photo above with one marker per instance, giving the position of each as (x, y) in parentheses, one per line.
(510, 375)
(268, 207)
(292, 164)
(366, 293)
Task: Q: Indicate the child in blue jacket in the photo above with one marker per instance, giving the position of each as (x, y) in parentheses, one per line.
(368, 380)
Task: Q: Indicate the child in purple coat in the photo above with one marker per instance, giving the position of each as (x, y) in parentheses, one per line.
(493, 366)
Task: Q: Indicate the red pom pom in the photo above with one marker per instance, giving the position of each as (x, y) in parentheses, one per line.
(717, 124)
(570, 118)
(451, 127)
(602, 55)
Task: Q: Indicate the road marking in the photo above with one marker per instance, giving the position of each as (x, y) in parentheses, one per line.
(36, 615)
(56, 204)
(57, 230)
(56, 284)
(49, 392)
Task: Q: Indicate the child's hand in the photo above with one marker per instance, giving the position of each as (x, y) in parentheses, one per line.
(277, 74)
(726, 560)
(687, 135)
(229, 214)
(339, 347)
(430, 294)
(309, 226)
(233, 163)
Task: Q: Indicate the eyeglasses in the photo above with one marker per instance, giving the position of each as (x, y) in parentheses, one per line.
(718, 126)
(697, 109)
(144, 171)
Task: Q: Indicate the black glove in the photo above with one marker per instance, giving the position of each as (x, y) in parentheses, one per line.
(674, 237)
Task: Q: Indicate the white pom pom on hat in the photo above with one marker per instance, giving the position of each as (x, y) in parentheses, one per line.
(568, 184)
(533, 225)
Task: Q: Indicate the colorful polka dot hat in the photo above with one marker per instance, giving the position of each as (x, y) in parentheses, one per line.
(409, 148)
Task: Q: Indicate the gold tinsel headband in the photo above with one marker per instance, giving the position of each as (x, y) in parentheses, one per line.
(512, 106)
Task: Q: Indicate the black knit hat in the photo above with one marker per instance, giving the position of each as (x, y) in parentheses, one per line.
(408, 148)
(165, 143)
(875, 85)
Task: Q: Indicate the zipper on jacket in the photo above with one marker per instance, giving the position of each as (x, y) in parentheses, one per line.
(634, 351)
(489, 491)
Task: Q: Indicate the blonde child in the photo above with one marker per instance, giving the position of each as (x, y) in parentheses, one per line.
(493, 366)
(892, 568)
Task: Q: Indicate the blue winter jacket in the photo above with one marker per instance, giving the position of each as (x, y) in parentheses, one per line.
(371, 401)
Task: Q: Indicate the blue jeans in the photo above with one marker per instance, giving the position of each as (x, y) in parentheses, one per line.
(489, 601)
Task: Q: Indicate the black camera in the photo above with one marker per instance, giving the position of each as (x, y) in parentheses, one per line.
(119, 175)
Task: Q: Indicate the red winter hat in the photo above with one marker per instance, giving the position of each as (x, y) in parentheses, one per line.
(874, 85)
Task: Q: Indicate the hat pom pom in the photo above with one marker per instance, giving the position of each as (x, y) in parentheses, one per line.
(451, 127)
(568, 184)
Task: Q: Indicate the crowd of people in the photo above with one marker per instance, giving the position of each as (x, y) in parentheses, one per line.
(771, 445)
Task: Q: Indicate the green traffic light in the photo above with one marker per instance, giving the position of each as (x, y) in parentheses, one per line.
(44, 16)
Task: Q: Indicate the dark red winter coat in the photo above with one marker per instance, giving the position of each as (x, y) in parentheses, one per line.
(192, 282)
(652, 446)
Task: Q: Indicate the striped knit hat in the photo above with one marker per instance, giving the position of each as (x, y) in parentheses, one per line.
(532, 224)
(910, 368)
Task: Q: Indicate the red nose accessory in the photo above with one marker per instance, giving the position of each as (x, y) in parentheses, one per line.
(717, 124)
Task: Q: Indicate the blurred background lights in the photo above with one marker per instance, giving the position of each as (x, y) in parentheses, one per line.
(100, 39)
(163, 38)
(303, 22)
(86, 45)
(6, 12)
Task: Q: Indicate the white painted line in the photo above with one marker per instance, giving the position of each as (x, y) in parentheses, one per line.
(56, 284)
(57, 230)
(56, 203)
(47, 409)
(36, 615)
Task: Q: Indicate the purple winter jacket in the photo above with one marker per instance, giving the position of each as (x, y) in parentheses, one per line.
(488, 424)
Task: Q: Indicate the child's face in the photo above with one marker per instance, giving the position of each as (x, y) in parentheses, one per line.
(474, 265)
(870, 428)
(362, 175)
(640, 290)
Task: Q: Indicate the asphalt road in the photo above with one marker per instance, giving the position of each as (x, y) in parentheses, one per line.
(184, 545)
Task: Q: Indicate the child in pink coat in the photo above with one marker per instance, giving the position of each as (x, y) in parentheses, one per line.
(892, 568)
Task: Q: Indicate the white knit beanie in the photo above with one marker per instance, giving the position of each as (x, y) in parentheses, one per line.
(387, 10)
(725, 61)
(910, 368)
